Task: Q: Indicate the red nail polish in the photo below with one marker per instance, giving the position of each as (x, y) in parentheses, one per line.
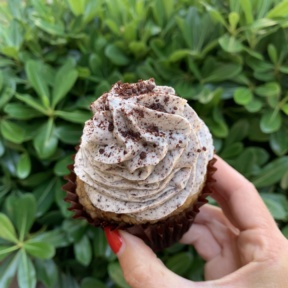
(114, 239)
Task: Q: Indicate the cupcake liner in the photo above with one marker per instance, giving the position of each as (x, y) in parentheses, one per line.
(159, 235)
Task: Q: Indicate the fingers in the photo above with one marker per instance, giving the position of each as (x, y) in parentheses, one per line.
(141, 267)
(211, 233)
(239, 199)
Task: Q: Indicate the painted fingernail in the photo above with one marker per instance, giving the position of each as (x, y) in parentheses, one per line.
(114, 239)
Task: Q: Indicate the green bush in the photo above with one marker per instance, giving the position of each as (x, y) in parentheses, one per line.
(228, 58)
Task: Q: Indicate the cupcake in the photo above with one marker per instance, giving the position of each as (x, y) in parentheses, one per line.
(144, 164)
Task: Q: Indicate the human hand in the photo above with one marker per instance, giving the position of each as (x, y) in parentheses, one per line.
(241, 243)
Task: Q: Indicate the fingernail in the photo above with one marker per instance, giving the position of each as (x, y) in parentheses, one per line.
(114, 239)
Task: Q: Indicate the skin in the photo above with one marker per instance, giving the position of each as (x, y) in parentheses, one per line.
(240, 242)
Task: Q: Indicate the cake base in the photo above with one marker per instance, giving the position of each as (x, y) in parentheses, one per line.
(159, 235)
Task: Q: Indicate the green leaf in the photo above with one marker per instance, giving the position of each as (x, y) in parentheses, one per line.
(116, 275)
(223, 72)
(230, 44)
(8, 269)
(74, 229)
(272, 172)
(47, 272)
(284, 108)
(270, 121)
(280, 10)
(51, 28)
(101, 247)
(180, 263)
(254, 105)
(238, 132)
(21, 111)
(243, 96)
(45, 142)
(271, 89)
(284, 181)
(90, 282)
(275, 207)
(7, 230)
(272, 53)
(77, 6)
(26, 272)
(233, 20)
(76, 116)
(23, 166)
(22, 210)
(6, 95)
(116, 55)
(279, 142)
(60, 169)
(69, 133)
(42, 250)
(30, 101)
(12, 131)
(247, 8)
(179, 54)
(65, 78)
(83, 251)
(232, 150)
(285, 231)
(44, 194)
(56, 237)
(37, 80)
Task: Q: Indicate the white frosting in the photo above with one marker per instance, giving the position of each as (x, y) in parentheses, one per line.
(144, 152)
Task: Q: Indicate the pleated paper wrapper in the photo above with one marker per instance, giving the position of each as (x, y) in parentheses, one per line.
(159, 235)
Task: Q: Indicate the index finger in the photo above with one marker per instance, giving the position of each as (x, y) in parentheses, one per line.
(239, 199)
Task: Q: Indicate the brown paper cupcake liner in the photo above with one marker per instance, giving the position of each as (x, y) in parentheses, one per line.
(159, 235)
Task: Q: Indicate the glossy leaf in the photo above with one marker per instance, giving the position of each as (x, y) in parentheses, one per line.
(280, 10)
(21, 111)
(7, 230)
(26, 272)
(5, 96)
(76, 116)
(243, 96)
(83, 251)
(12, 131)
(271, 173)
(116, 55)
(60, 168)
(47, 272)
(45, 142)
(37, 80)
(279, 142)
(275, 207)
(22, 210)
(116, 275)
(65, 78)
(77, 6)
(230, 44)
(56, 237)
(271, 89)
(270, 121)
(8, 270)
(23, 166)
(92, 283)
(42, 250)
(44, 195)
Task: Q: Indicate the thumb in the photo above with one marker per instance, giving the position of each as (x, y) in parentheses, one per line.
(141, 267)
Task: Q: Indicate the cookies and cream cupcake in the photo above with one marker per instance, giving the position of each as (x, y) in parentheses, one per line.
(144, 163)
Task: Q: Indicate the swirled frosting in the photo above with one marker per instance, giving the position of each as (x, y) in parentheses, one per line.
(144, 152)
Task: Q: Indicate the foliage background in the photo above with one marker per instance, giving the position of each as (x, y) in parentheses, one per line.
(228, 58)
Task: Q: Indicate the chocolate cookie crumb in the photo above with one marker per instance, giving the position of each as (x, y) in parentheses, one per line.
(143, 155)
